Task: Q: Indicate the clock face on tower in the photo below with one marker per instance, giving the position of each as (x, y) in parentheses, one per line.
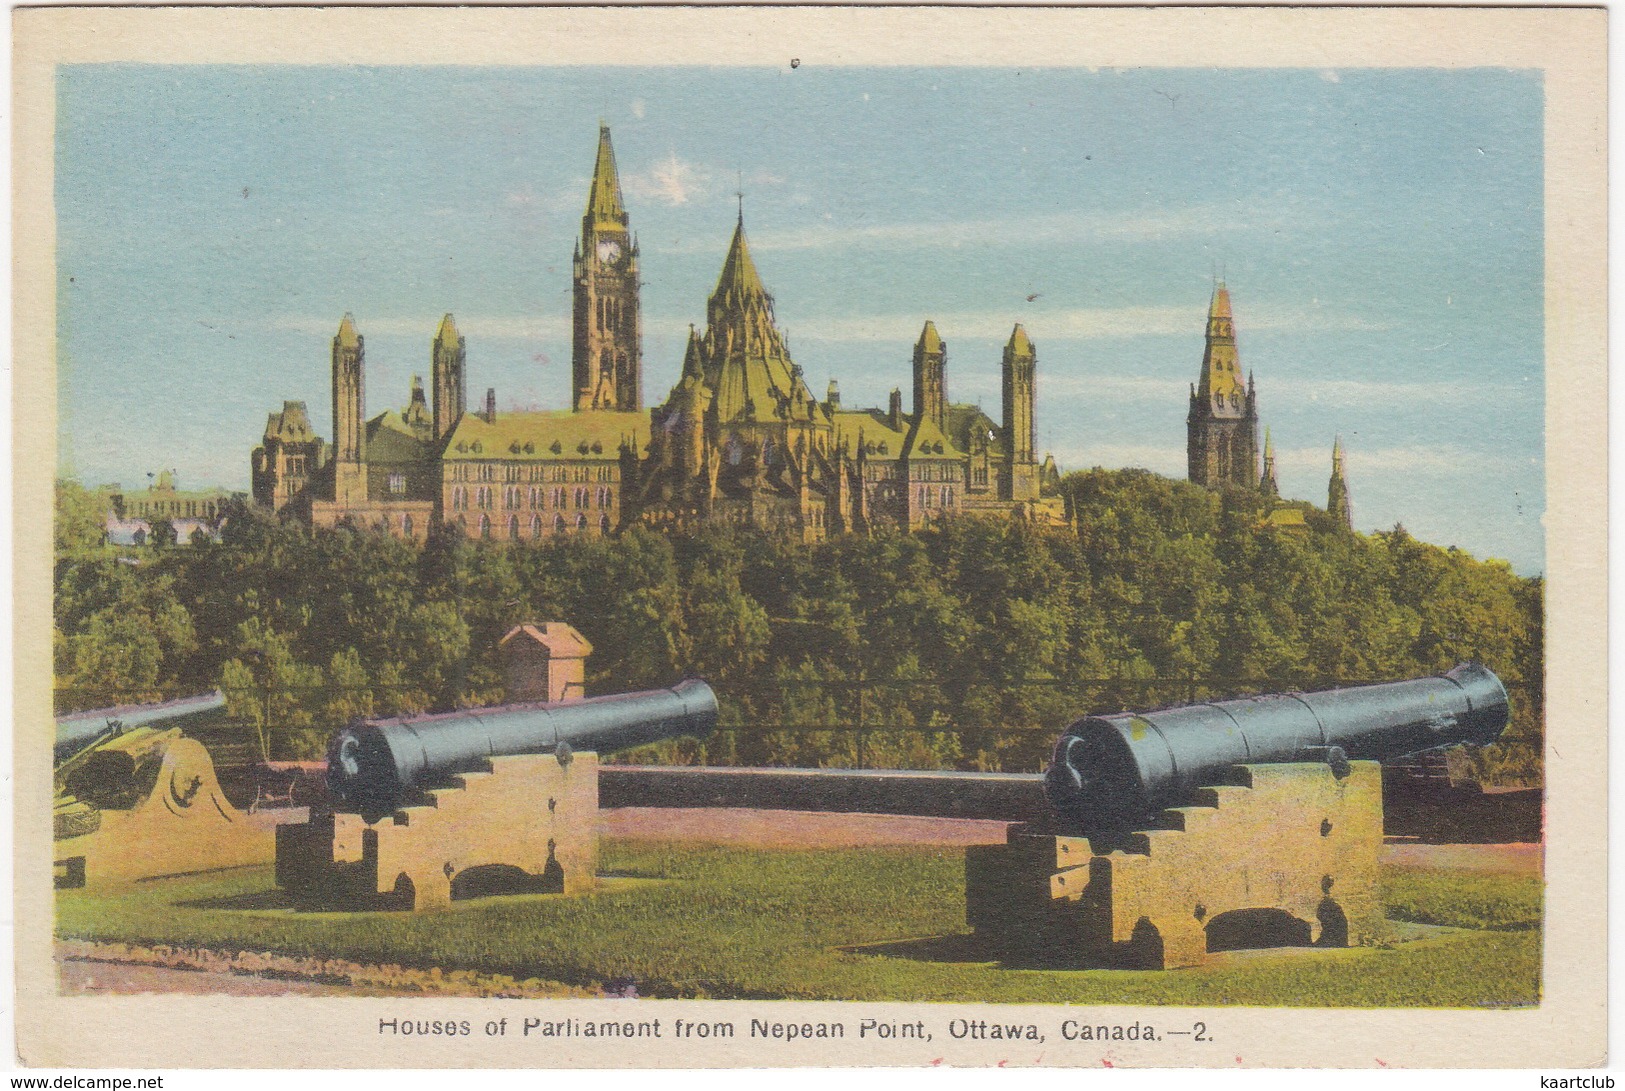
(609, 251)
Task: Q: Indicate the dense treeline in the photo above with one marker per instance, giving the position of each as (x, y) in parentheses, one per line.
(965, 646)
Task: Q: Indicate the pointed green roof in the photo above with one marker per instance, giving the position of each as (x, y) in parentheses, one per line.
(447, 334)
(930, 341)
(604, 207)
(739, 277)
(1020, 343)
(693, 364)
(347, 334)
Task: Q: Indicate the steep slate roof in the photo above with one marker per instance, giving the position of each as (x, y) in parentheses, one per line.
(963, 420)
(604, 206)
(874, 426)
(547, 435)
(926, 440)
(392, 438)
(292, 425)
(1221, 364)
(750, 367)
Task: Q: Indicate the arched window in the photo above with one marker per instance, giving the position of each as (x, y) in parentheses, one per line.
(485, 526)
(558, 524)
(581, 521)
(603, 524)
(535, 526)
(513, 528)
(406, 526)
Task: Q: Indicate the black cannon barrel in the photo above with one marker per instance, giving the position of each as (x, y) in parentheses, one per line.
(372, 764)
(1110, 772)
(77, 730)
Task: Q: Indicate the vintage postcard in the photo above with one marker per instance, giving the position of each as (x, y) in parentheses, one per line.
(650, 537)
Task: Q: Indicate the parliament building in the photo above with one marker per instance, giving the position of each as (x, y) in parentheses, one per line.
(740, 439)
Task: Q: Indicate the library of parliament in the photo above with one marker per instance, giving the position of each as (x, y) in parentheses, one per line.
(741, 438)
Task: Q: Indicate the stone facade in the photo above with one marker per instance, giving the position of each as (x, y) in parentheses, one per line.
(740, 439)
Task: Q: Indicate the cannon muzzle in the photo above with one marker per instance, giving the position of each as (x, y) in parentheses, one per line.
(78, 730)
(373, 764)
(1113, 772)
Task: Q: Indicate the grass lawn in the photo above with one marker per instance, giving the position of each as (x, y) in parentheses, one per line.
(849, 924)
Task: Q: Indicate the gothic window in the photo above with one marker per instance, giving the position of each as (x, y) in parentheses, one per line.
(485, 526)
(947, 496)
(513, 528)
(406, 526)
(581, 521)
(397, 483)
(535, 526)
(558, 524)
(603, 524)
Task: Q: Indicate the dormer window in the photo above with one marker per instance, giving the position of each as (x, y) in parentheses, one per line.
(530, 448)
(513, 448)
(476, 447)
(557, 448)
(597, 448)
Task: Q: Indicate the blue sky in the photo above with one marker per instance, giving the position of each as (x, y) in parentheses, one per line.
(1380, 231)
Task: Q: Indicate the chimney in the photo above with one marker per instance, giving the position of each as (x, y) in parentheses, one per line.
(895, 410)
(490, 404)
(832, 397)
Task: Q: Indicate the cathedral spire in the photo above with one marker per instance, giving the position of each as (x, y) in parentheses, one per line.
(1268, 484)
(604, 206)
(1337, 490)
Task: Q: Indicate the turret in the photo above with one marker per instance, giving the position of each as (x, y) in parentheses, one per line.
(1337, 490)
(1267, 484)
(1222, 424)
(1020, 374)
(448, 361)
(930, 380)
(349, 409)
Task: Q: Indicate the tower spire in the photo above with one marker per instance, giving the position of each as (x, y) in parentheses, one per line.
(1222, 426)
(1337, 490)
(604, 205)
(1268, 484)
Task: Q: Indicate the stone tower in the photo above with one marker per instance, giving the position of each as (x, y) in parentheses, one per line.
(349, 409)
(1268, 484)
(607, 361)
(1337, 490)
(930, 383)
(449, 358)
(1222, 427)
(1020, 367)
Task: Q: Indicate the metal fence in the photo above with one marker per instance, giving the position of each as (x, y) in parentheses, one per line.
(937, 722)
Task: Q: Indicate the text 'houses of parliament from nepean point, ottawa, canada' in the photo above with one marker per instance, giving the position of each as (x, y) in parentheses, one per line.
(740, 439)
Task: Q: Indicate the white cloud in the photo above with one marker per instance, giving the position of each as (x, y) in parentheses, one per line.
(1363, 463)
(639, 108)
(1444, 460)
(1210, 219)
(1066, 324)
(672, 181)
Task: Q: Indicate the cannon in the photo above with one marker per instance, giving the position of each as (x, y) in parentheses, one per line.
(77, 731)
(1113, 772)
(432, 809)
(1245, 823)
(373, 765)
(136, 799)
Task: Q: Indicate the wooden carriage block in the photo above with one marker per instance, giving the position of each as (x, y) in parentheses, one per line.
(1286, 856)
(527, 825)
(182, 824)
